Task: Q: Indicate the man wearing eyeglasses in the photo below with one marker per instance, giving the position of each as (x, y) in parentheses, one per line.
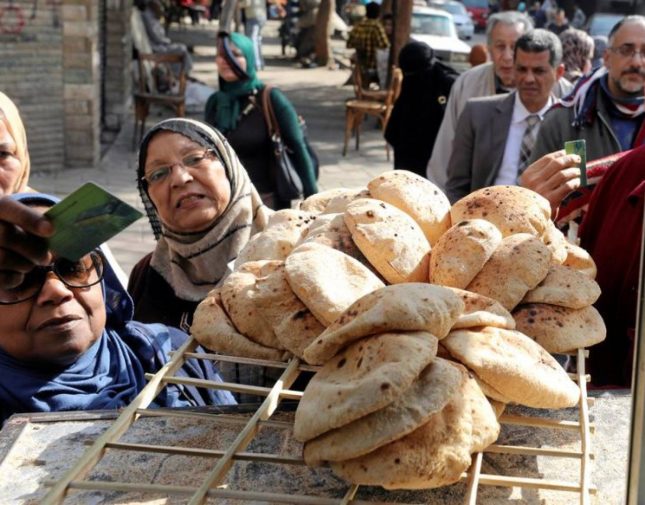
(607, 107)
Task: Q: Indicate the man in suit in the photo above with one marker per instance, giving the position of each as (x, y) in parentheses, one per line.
(495, 135)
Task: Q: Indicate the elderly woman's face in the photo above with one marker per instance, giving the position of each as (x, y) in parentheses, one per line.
(195, 189)
(56, 326)
(10, 164)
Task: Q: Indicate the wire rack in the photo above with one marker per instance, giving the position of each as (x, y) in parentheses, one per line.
(223, 460)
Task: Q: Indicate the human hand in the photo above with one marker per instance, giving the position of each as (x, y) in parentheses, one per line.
(23, 231)
(553, 176)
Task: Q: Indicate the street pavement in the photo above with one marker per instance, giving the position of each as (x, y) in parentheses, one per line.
(318, 94)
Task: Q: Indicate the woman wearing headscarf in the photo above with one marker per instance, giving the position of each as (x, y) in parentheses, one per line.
(236, 111)
(203, 209)
(418, 112)
(68, 342)
(577, 53)
(14, 155)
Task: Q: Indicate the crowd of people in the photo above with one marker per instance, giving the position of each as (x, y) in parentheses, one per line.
(73, 337)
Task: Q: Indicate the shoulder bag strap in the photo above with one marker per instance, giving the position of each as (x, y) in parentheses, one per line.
(269, 114)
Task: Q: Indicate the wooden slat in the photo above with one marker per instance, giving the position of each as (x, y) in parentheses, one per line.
(529, 482)
(533, 451)
(585, 438)
(129, 415)
(472, 481)
(541, 422)
(249, 361)
(267, 408)
(223, 418)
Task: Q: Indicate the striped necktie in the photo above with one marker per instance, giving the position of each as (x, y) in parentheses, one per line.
(528, 142)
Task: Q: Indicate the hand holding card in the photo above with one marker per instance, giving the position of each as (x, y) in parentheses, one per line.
(85, 219)
(579, 147)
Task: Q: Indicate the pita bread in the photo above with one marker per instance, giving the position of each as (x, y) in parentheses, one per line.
(489, 391)
(333, 200)
(484, 419)
(519, 264)
(390, 239)
(271, 244)
(363, 378)
(417, 197)
(213, 329)
(581, 260)
(516, 366)
(462, 251)
(512, 209)
(560, 329)
(401, 307)
(556, 242)
(291, 218)
(330, 230)
(328, 281)
(566, 287)
(429, 394)
(433, 455)
(480, 310)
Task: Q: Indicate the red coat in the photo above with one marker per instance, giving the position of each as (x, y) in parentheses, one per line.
(611, 233)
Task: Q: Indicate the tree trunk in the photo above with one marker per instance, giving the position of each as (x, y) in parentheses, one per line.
(323, 32)
(402, 11)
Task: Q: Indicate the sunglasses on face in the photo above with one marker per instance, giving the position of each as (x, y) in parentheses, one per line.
(195, 160)
(83, 273)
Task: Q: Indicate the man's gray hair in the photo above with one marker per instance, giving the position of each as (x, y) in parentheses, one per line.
(507, 18)
(626, 20)
(539, 40)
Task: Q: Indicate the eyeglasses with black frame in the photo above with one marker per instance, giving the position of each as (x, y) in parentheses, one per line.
(83, 273)
(194, 160)
(628, 51)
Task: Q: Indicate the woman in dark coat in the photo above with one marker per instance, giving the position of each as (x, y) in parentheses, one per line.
(418, 112)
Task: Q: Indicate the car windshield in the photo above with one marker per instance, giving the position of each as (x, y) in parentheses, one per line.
(482, 4)
(452, 8)
(602, 25)
(432, 24)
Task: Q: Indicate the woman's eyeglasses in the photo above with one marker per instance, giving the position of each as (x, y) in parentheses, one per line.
(83, 273)
(196, 160)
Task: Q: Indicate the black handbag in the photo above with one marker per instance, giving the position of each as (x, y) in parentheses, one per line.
(288, 183)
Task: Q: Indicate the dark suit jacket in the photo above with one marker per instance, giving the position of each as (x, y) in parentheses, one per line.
(480, 140)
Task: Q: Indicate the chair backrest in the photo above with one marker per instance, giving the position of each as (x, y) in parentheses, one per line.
(395, 87)
(357, 81)
(163, 74)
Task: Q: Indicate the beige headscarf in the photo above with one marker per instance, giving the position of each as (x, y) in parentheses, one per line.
(11, 118)
(194, 263)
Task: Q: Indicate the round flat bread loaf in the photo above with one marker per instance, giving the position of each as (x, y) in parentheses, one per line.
(400, 307)
(270, 244)
(390, 239)
(333, 200)
(416, 196)
(330, 230)
(365, 377)
(515, 365)
(559, 329)
(480, 310)
(291, 218)
(429, 394)
(242, 299)
(484, 419)
(489, 391)
(566, 287)
(519, 264)
(556, 242)
(462, 251)
(581, 260)
(328, 281)
(433, 455)
(512, 209)
(213, 329)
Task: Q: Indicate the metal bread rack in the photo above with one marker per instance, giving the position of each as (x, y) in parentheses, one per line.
(223, 460)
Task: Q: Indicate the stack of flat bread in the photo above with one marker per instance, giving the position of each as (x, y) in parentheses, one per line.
(384, 409)
(425, 319)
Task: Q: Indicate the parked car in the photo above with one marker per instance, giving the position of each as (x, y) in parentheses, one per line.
(463, 22)
(601, 23)
(478, 10)
(436, 28)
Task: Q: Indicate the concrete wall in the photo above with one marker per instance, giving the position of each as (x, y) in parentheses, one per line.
(50, 64)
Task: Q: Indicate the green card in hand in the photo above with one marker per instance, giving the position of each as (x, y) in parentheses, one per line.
(579, 147)
(87, 218)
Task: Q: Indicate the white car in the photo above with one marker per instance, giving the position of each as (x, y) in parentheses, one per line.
(463, 22)
(436, 28)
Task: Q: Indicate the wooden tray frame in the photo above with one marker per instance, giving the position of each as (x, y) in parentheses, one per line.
(74, 478)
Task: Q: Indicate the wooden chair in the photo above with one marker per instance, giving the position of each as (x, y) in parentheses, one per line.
(362, 93)
(357, 109)
(161, 80)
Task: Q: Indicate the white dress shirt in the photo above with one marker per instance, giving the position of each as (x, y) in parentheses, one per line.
(508, 170)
